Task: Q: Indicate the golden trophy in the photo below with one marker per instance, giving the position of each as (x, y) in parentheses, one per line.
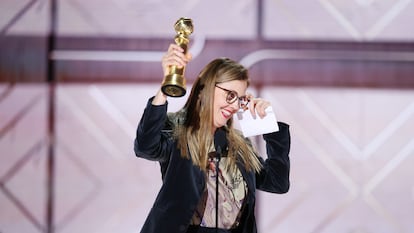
(174, 82)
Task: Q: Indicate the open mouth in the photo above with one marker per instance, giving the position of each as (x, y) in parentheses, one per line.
(226, 114)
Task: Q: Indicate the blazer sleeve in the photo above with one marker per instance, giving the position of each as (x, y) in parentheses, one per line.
(152, 141)
(274, 176)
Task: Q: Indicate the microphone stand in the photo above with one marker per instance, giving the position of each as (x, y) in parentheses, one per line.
(218, 157)
(220, 143)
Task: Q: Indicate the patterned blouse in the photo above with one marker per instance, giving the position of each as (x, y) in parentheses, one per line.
(232, 191)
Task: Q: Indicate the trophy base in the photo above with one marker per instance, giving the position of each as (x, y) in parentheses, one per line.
(174, 85)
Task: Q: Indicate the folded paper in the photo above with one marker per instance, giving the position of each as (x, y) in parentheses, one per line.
(250, 126)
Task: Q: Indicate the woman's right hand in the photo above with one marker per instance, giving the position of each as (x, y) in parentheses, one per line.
(174, 57)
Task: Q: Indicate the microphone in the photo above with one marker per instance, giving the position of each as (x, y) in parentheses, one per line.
(220, 142)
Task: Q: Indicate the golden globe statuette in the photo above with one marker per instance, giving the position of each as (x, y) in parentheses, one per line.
(174, 82)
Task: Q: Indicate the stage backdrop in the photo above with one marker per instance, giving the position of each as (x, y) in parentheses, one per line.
(352, 157)
(339, 72)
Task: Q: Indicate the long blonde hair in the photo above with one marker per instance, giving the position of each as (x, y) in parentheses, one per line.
(193, 124)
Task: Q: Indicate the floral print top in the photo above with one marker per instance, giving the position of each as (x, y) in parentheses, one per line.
(232, 191)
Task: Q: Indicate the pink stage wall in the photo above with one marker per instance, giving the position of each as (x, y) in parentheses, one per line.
(341, 73)
(352, 158)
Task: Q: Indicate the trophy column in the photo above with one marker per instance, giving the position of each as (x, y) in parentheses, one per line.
(174, 82)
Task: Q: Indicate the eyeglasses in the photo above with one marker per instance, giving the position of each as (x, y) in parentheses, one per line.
(232, 96)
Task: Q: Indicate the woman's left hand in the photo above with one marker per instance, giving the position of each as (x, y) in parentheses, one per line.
(258, 105)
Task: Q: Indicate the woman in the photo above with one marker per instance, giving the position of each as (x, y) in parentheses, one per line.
(199, 141)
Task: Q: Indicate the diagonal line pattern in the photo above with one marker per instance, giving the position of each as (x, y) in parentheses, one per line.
(72, 213)
(387, 132)
(22, 208)
(369, 150)
(380, 176)
(330, 164)
(379, 26)
(86, 15)
(335, 213)
(375, 143)
(92, 127)
(19, 115)
(9, 175)
(112, 111)
(341, 19)
(7, 92)
(330, 125)
(285, 212)
(17, 16)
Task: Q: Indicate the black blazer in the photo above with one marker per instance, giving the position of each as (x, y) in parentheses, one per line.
(183, 182)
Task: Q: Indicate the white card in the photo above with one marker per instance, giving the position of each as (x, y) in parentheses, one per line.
(250, 126)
